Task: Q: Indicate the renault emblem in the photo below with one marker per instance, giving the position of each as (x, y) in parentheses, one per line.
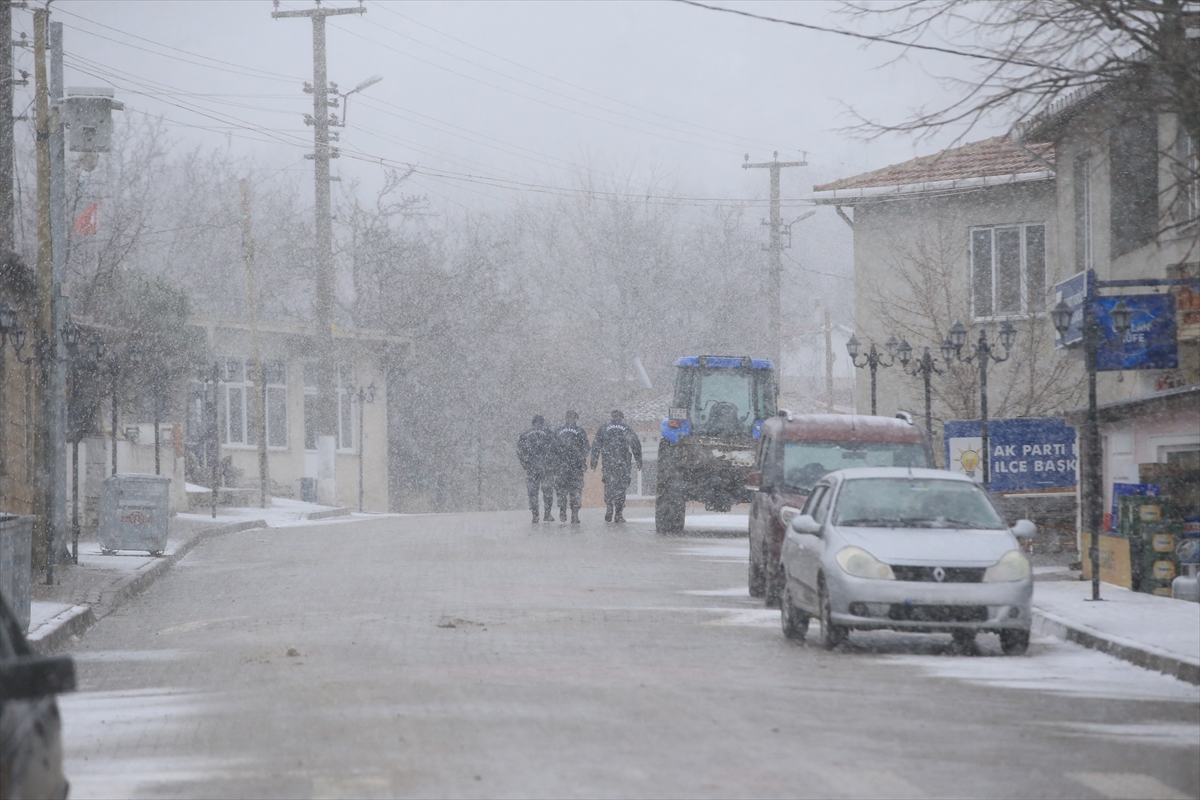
(939, 574)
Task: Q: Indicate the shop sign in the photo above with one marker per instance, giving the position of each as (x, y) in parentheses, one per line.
(1150, 342)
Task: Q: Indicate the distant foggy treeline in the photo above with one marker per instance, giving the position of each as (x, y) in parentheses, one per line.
(536, 308)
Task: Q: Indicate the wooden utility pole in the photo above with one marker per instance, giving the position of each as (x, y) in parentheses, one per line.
(45, 286)
(260, 385)
(775, 249)
(326, 406)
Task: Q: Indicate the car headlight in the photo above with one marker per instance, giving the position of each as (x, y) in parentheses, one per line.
(861, 564)
(1012, 566)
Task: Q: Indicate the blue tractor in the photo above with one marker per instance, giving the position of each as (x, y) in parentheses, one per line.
(710, 434)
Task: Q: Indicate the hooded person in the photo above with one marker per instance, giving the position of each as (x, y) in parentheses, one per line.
(616, 446)
(537, 450)
(573, 450)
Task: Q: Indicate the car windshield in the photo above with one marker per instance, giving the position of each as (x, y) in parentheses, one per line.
(725, 401)
(914, 503)
(805, 463)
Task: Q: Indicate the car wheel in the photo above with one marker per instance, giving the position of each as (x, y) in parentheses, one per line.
(964, 641)
(1014, 643)
(794, 621)
(831, 635)
(758, 583)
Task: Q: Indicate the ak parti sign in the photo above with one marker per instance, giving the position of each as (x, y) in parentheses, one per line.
(1026, 454)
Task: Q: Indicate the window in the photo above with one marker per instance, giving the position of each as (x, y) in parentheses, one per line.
(310, 406)
(238, 410)
(1081, 176)
(1008, 270)
(805, 463)
(1188, 170)
(915, 503)
(1133, 171)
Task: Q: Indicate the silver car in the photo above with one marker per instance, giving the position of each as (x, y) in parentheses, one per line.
(905, 549)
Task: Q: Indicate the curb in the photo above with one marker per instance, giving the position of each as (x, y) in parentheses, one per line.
(328, 513)
(78, 619)
(1136, 653)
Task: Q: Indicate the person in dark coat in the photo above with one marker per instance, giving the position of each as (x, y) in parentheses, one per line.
(572, 463)
(537, 450)
(617, 445)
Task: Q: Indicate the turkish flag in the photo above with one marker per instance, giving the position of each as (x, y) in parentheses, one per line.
(86, 223)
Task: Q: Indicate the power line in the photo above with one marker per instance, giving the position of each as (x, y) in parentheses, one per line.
(873, 38)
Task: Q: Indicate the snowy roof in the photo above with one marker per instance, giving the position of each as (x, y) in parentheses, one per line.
(984, 163)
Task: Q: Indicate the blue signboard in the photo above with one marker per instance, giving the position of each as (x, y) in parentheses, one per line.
(1026, 454)
(1150, 342)
(1073, 291)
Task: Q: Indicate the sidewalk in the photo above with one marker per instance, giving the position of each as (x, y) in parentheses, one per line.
(99, 584)
(1153, 632)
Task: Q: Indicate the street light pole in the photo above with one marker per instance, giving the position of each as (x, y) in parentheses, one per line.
(982, 354)
(873, 360)
(1092, 479)
(364, 396)
(926, 367)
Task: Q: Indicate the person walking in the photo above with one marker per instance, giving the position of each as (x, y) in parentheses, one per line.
(537, 450)
(617, 445)
(572, 463)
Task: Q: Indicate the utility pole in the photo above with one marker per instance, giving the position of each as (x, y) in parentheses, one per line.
(828, 361)
(55, 362)
(326, 406)
(45, 286)
(6, 130)
(775, 248)
(260, 385)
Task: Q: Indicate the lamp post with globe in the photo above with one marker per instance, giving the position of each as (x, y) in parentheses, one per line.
(982, 355)
(873, 361)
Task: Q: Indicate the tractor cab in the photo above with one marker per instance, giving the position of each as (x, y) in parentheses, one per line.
(720, 397)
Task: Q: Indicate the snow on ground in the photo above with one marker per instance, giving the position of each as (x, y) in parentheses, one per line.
(707, 522)
(1053, 665)
(721, 551)
(282, 513)
(1171, 626)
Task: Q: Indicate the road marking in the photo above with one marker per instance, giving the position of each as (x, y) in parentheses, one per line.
(871, 784)
(325, 787)
(1127, 785)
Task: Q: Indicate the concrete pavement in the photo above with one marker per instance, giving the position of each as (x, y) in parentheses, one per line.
(479, 655)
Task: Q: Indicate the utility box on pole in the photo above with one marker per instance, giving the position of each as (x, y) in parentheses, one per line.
(88, 113)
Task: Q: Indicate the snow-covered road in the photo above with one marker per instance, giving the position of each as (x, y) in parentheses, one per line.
(479, 655)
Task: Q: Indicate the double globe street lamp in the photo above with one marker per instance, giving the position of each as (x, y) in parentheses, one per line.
(872, 359)
(926, 367)
(982, 354)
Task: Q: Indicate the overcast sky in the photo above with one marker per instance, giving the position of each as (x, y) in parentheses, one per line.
(496, 102)
(520, 92)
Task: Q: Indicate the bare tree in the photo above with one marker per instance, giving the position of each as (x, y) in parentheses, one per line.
(933, 296)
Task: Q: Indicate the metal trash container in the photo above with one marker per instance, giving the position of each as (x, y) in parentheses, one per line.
(16, 544)
(134, 510)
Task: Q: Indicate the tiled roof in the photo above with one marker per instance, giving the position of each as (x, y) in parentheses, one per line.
(987, 158)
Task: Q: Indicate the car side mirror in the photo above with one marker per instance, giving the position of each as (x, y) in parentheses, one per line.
(1024, 529)
(30, 677)
(754, 481)
(804, 523)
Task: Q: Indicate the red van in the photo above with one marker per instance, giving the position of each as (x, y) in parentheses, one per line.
(794, 452)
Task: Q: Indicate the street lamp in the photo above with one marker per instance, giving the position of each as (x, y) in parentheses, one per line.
(363, 397)
(873, 360)
(926, 367)
(982, 354)
(371, 81)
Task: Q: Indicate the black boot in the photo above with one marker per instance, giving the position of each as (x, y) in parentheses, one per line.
(562, 513)
(620, 517)
(574, 515)
(608, 513)
(535, 515)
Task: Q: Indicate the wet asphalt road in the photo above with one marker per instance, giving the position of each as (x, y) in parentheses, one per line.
(481, 656)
